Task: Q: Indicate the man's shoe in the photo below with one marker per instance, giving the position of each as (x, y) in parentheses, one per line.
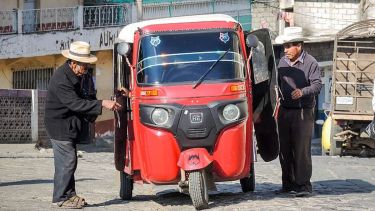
(284, 190)
(68, 204)
(302, 194)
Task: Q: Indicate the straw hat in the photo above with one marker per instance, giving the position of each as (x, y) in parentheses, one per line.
(291, 34)
(79, 51)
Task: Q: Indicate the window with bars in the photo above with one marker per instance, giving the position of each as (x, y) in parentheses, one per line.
(32, 78)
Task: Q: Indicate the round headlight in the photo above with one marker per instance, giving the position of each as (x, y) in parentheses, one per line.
(231, 112)
(159, 116)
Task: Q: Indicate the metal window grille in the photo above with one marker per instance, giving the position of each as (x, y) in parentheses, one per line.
(49, 19)
(32, 78)
(106, 15)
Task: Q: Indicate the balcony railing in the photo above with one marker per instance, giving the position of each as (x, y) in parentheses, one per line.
(86, 17)
(8, 22)
(62, 19)
(106, 15)
(39, 20)
(239, 9)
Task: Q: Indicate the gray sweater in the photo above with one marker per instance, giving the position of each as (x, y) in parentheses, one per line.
(304, 75)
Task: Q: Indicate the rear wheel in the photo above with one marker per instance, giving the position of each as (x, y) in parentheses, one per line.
(248, 183)
(126, 188)
(198, 189)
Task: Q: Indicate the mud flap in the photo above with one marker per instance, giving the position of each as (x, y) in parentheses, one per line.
(264, 78)
(194, 159)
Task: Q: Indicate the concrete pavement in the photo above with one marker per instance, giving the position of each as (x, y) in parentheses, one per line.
(26, 180)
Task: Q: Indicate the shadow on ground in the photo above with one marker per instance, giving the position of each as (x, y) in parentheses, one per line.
(36, 181)
(230, 194)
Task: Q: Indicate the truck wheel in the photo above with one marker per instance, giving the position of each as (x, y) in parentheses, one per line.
(198, 189)
(248, 183)
(333, 149)
(126, 188)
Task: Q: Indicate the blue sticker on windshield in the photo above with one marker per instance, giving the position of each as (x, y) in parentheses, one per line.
(155, 41)
(224, 37)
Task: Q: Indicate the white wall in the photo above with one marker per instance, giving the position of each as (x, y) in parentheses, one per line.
(316, 17)
(8, 4)
(325, 17)
(30, 45)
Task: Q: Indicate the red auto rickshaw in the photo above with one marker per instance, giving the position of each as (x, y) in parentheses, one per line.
(193, 102)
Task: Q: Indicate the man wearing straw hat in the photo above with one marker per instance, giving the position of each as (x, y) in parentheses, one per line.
(64, 112)
(299, 81)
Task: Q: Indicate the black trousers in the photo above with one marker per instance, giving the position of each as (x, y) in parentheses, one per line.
(295, 130)
(65, 160)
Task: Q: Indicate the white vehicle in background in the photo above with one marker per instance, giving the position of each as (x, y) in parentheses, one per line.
(352, 92)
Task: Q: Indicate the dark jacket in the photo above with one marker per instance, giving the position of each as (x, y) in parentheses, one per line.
(65, 106)
(303, 75)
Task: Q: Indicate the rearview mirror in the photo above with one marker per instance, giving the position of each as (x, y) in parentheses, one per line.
(252, 41)
(123, 48)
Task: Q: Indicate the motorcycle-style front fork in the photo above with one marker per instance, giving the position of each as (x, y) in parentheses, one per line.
(183, 184)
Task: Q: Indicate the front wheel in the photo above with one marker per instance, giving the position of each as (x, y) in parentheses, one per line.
(248, 183)
(198, 189)
(126, 188)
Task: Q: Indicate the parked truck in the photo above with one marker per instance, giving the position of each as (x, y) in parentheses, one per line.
(351, 92)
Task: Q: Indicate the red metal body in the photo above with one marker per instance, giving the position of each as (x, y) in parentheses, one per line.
(153, 154)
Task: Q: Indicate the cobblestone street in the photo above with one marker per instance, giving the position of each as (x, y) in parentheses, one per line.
(26, 181)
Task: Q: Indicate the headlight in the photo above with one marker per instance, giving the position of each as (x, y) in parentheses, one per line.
(231, 112)
(159, 116)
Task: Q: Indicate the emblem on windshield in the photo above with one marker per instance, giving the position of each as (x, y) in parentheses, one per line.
(196, 118)
(224, 37)
(155, 41)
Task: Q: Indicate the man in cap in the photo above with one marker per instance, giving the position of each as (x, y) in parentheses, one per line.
(299, 81)
(64, 112)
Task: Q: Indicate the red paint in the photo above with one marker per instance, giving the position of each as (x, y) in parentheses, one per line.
(194, 159)
(155, 155)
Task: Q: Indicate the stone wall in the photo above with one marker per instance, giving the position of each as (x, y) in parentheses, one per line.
(316, 17)
(264, 15)
(322, 17)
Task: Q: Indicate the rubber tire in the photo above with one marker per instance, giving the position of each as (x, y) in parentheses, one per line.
(198, 189)
(333, 150)
(126, 186)
(248, 183)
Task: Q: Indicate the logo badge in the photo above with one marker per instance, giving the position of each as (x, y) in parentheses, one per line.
(155, 41)
(196, 118)
(224, 37)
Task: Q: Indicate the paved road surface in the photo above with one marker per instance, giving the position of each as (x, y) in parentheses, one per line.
(345, 183)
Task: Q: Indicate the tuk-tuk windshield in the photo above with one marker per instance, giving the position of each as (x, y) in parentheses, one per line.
(185, 57)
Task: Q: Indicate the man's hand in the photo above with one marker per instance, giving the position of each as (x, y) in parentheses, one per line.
(296, 94)
(124, 91)
(111, 105)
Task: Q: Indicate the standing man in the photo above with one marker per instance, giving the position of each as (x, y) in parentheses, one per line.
(65, 110)
(299, 81)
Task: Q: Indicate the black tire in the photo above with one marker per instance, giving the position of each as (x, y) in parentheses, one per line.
(198, 189)
(334, 150)
(248, 183)
(126, 186)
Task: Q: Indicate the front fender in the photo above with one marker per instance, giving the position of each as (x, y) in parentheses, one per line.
(194, 159)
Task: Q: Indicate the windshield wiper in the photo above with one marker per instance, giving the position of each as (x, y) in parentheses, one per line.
(209, 69)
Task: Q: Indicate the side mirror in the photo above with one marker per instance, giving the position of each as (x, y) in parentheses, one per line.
(252, 41)
(123, 48)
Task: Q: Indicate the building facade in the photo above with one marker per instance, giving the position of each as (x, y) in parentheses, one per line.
(34, 32)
